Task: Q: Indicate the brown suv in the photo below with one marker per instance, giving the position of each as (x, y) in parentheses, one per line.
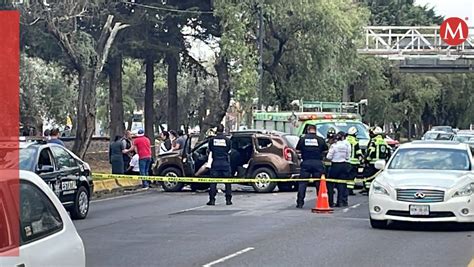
(255, 153)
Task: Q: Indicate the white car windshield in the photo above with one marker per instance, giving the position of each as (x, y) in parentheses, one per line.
(431, 159)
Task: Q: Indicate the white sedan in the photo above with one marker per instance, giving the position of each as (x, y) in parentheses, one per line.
(424, 181)
(47, 236)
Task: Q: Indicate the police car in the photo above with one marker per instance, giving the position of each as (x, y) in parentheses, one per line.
(66, 174)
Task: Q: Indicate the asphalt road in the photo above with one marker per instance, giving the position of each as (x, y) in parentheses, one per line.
(155, 228)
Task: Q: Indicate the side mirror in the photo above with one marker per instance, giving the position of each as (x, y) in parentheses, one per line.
(380, 164)
(45, 168)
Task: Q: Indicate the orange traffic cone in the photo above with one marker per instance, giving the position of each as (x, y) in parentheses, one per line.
(322, 202)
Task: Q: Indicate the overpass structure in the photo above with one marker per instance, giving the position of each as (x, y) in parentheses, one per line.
(418, 48)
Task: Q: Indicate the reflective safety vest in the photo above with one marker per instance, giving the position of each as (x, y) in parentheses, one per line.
(356, 152)
(378, 149)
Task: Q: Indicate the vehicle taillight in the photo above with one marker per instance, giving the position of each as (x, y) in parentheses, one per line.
(287, 154)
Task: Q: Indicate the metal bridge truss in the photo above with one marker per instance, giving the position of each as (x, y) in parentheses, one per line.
(405, 42)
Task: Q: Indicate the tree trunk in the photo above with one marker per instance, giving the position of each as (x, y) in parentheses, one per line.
(86, 112)
(172, 61)
(115, 97)
(149, 97)
(220, 106)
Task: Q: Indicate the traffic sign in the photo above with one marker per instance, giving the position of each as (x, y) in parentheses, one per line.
(454, 31)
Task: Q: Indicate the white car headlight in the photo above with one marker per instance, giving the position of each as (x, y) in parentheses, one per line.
(465, 191)
(379, 189)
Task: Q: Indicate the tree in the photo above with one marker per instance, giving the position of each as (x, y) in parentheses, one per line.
(47, 92)
(69, 22)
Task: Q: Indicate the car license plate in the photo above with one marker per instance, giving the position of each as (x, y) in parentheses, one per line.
(423, 210)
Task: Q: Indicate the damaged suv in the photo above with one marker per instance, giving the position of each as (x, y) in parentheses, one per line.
(254, 154)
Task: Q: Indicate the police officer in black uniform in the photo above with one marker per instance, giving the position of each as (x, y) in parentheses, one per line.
(312, 148)
(220, 147)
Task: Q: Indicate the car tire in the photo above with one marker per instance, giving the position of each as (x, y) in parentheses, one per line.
(199, 186)
(266, 174)
(171, 186)
(378, 224)
(81, 204)
(288, 187)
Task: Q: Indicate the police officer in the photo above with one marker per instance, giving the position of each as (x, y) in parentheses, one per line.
(355, 157)
(312, 148)
(339, 154)
(220, 147)
(378, 149)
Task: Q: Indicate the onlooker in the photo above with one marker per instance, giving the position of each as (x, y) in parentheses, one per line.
(55, 137)
(115, 156)
(143, 148)
(173, 138)
(134, 168)
(128, 149)
(165, 143)
(180, 141)
(47, 134)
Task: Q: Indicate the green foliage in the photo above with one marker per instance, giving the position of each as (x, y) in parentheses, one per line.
(47, 92)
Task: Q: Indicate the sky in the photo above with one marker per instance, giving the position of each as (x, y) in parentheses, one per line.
(452, 8)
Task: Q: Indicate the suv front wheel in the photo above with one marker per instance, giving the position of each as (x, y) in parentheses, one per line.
(264, 185)
(171, 186)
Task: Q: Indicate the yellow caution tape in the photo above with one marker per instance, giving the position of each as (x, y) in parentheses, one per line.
(224, 180)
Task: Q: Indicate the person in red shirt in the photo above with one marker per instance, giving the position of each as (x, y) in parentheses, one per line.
(143, 148)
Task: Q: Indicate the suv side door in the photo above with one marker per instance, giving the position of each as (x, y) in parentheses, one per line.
(69, 174)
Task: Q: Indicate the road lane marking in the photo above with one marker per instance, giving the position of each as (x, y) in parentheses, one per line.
(190, 209)
(228, 257)
(351, 207)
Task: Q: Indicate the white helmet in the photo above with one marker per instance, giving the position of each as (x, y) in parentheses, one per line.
(378, 130)
(352, 131)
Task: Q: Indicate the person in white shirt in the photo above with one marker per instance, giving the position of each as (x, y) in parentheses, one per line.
(134, 167)
(339, 154)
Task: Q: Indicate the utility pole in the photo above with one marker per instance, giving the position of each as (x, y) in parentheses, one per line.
(260, 55)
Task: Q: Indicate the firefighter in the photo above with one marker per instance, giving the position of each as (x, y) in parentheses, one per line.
(330, 139)
(220, 147)
(378, 149)
(356, 157)
(312, 147)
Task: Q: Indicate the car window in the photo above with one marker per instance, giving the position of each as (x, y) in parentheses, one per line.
(264, 142)
(38, 216)
(64, 160)
(464, 138)
(45, 158)
(323, 128)
(202, 148)
(292, 140)
(431, 159)
(443, 136)
(430, 136)
(6, 240)
(27, 158)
